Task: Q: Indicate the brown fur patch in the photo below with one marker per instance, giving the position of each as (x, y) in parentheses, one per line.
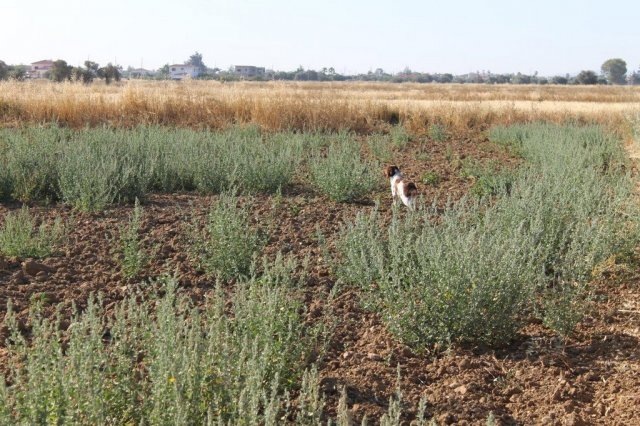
(391, 170)
(410, 189)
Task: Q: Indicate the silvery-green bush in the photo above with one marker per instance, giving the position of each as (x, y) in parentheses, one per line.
(342, 174)
(475, 273)
(31, 163)
(160, 360)
(104, 166)
(21, 236)
(91, 169)
(226, 246)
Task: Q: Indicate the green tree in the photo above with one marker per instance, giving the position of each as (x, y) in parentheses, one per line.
(521, 79)
(60, 71)
(109, 73)
(17, 72)
(587, 77)
(558, 79)
(163, 72)
(92, 66)
(615, 71)
(86, 74)
(634, 78)
(4, 71)
(81, 74)
(196, 60)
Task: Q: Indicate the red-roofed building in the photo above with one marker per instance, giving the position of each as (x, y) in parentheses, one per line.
(40, 69)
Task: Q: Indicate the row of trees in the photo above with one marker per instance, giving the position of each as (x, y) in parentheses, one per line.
(14, 72)
(61, 71)
(613, 71)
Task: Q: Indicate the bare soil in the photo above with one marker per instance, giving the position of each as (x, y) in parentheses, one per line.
(594, 378)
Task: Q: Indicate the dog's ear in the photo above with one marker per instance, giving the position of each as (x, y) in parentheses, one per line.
(390, 170)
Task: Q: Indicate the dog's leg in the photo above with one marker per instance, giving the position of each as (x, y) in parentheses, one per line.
(394, 194)
(412, 203)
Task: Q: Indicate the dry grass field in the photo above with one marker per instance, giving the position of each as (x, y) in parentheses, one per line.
(308, 106)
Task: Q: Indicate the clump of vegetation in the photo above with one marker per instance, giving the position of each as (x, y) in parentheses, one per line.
(437, 133)
(5, 176)
(92, 169)
(165, 362)
(31, 162)
(245, 160)
(510, 138)
(399, 136)
(431, 178)
(342, 174)
(477, 272)
(489, 178)
(132, 255)
(458, 280)
(563, 306)
(380, 147)
(21, 236)
(103, 166)
(227, 245)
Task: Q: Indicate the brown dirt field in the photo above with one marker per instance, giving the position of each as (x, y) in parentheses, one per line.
(592, 379)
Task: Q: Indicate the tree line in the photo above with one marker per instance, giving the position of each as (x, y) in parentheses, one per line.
(612, 71)
(61, 71)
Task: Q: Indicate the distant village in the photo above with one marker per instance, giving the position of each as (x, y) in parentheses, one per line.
(42, 69)
(613, 71)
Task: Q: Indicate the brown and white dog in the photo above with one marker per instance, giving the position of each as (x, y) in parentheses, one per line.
(401, 188)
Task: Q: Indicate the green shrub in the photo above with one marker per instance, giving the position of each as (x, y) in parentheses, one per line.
(246, 161)
(563, 307)
(94, 168)
(269, 164)
(380, 147)
(489, 178)
(310, 401)
(100, 167)
(342, 174)
(20, 236)
(132, 255)
(171, 154)
(227, 245)
(458, 280)
(431, 178)
(162, 361)
(478, 271)
(6, 186)
(399, 136)
(437, 133)
(31, 162)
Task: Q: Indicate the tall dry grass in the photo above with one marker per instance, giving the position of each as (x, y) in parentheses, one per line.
(358, 106)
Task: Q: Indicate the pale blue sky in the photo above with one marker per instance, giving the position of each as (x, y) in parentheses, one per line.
(550, 37)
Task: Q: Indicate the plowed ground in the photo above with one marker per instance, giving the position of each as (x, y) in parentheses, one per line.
(593, 378)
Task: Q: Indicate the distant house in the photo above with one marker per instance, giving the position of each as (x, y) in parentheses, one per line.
(247, 71)
(140, 73)
(182, 71)
(40, 69)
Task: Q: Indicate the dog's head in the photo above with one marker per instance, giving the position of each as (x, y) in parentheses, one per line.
(389, 171)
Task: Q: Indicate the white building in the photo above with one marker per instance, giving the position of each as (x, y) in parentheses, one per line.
(247, 71)
(40, 69)
(182, 71)
(140, 73)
